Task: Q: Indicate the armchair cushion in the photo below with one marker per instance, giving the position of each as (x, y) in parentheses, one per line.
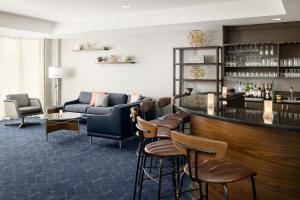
(85, 97)
(99, 110)
(21, 99)
(35, 102)
(78, 107)
(29, 110)
(117, 98)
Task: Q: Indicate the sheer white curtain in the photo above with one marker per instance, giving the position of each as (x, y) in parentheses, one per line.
(21, 68)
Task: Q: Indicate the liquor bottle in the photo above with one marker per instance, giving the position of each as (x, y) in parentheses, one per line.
(244, 87)
(251, 91)
(236, 87)
(247, 90)
(240, 88)
(271, 91)
(255, 92)
(267, 92)
(263, 92)
(259, 91)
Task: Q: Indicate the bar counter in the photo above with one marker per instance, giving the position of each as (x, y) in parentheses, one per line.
(270, 147)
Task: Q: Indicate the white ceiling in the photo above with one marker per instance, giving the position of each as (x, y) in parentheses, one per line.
(59, 18)
(70, 10)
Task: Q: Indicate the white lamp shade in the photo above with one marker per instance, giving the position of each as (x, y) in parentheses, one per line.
(55, 72)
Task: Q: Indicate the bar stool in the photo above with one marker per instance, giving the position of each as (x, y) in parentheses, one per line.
(182, 117)
(162, 131)
(147, 106)
(160, 149)
(204, 164)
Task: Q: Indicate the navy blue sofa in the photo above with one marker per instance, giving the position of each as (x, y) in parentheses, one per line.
(112, 122)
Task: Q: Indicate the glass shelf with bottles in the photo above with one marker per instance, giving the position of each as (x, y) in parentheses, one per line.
(259, 91)
(251, 74)
(251, 55)
(289, 73)
(290, 62)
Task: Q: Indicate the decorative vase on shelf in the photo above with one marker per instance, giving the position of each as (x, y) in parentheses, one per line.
(114, 58)
(100, 59)
(129, 59)
(196, 38)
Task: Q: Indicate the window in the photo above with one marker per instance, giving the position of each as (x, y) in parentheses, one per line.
(21, 68)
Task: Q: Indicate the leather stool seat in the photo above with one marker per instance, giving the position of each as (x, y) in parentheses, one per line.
(163, 132)
(169, 123)
(182, 117)
(163, 148)
(219, 171)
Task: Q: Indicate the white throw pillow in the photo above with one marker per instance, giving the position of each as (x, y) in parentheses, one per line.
(101, 100)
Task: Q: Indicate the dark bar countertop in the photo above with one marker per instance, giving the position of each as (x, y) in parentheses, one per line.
(197, 104)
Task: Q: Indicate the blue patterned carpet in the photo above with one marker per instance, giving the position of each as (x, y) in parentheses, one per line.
(66, 167)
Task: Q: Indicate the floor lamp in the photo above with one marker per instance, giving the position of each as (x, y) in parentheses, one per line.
(55, 73)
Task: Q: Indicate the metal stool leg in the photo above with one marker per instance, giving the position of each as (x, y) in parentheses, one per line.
(225, 192)
(253, 188)
(180, 185)
(138, 166)
(200, 191)
(142, 176)
(174, 174)
(206, 191)
(159, 177)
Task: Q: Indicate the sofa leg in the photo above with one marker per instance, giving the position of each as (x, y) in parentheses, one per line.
(120, 144)
(91, 139)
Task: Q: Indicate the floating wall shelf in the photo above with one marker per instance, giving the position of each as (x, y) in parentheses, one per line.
(115, 62)
(98, 49)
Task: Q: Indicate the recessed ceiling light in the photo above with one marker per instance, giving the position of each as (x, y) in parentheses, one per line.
(277, 19)
(125, 6)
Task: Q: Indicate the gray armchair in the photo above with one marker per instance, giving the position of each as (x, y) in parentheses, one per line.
(20, 106)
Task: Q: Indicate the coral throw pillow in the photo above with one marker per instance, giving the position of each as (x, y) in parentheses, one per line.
(93, 99)
(135, 97)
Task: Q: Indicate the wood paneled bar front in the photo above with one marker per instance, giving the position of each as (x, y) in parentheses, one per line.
(273, 150)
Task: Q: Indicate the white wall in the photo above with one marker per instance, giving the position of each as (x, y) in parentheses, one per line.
(151, 75)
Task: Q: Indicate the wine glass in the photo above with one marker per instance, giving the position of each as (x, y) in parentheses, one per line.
(261, 50)
(272, 50)
(267, 50)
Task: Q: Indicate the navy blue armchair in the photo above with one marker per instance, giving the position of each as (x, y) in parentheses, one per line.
(115, 125)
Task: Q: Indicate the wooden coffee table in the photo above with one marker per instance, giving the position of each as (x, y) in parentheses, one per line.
(63, 121)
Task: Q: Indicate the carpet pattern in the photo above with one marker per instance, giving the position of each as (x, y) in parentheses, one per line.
(67, 167)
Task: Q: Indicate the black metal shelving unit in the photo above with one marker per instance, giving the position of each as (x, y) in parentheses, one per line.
(179, 64)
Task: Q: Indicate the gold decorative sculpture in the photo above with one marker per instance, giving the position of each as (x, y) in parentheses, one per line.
(197, 72)
(196, 38)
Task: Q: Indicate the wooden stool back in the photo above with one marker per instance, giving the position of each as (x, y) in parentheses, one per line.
(197, 150)
(163, 102)
(146, 129)
(146, 106)
(206, 148)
